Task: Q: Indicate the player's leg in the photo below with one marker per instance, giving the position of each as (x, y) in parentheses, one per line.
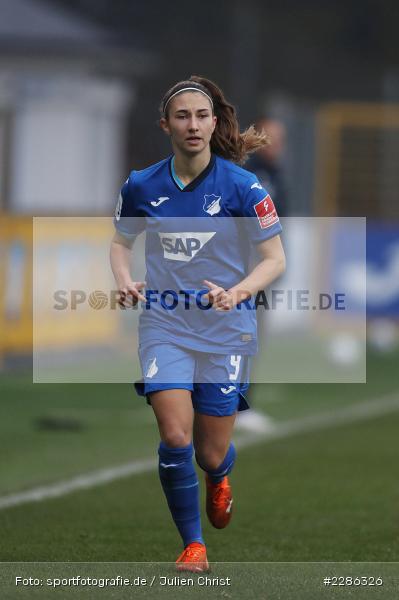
(215, 454)
(212, 441)
(163, 365)
(216, 405)
(174, 413)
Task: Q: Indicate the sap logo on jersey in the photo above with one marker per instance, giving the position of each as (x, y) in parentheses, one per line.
(184, 245)
(212, 204)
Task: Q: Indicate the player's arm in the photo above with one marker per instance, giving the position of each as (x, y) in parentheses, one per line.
(120, 255)
(271, 266)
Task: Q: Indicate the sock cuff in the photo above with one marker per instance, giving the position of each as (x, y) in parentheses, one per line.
(183, 453)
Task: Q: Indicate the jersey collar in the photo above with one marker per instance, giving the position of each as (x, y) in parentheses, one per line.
(195, 182)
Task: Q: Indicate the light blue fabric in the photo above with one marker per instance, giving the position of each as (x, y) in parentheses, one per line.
(175, 177)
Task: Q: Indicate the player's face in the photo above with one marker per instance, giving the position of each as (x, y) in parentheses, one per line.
(190, 123)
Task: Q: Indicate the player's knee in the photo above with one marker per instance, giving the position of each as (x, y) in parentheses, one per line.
(209, 460)
(176, 438)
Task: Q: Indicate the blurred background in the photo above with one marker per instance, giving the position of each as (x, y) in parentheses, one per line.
(80, 86)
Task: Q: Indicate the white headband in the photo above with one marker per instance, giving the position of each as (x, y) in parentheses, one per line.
(187, 89)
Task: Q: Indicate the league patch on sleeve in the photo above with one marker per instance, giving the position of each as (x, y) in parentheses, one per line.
(266, 212)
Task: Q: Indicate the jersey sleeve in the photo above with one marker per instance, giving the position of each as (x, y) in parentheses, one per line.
(261, 218)
(128, 219)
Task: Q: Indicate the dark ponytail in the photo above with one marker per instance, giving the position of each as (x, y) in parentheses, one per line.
(226, 141)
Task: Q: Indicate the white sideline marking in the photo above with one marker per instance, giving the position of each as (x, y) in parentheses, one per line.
(255, 421)
(349, 414)
(360, 411)
(81, 482)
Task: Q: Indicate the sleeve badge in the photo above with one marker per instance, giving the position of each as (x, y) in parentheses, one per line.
(266, 212)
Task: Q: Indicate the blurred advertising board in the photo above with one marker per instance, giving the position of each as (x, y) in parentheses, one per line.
(382, 270)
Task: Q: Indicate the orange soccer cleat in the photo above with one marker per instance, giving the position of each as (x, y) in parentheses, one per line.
(193, 558)
(219, 502)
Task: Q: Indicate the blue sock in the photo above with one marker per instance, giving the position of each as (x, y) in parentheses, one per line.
(180, 484)
(216, 475)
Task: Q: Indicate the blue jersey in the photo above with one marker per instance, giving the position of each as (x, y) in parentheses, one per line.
(204, 230)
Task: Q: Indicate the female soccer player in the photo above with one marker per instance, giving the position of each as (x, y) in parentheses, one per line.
(201, 212)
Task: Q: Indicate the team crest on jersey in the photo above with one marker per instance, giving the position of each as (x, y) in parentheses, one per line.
(183, 246)
(266, 212)
(212, 204)
(152, 368)
(118, 209)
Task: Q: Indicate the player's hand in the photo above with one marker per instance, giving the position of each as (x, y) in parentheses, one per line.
(220, 298)
(130, 293)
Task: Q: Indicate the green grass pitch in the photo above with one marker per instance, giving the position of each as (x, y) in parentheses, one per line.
(323, 495)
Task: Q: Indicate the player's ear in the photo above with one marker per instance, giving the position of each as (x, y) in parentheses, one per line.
(215, 119)
(164, 125)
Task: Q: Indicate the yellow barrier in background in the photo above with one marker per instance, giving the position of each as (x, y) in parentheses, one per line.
(15, 284)
(356, 174)
(52, 251)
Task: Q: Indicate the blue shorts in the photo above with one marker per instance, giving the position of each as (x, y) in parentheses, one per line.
(217, 382)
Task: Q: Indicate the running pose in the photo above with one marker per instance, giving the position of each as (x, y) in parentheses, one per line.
(201, 213)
